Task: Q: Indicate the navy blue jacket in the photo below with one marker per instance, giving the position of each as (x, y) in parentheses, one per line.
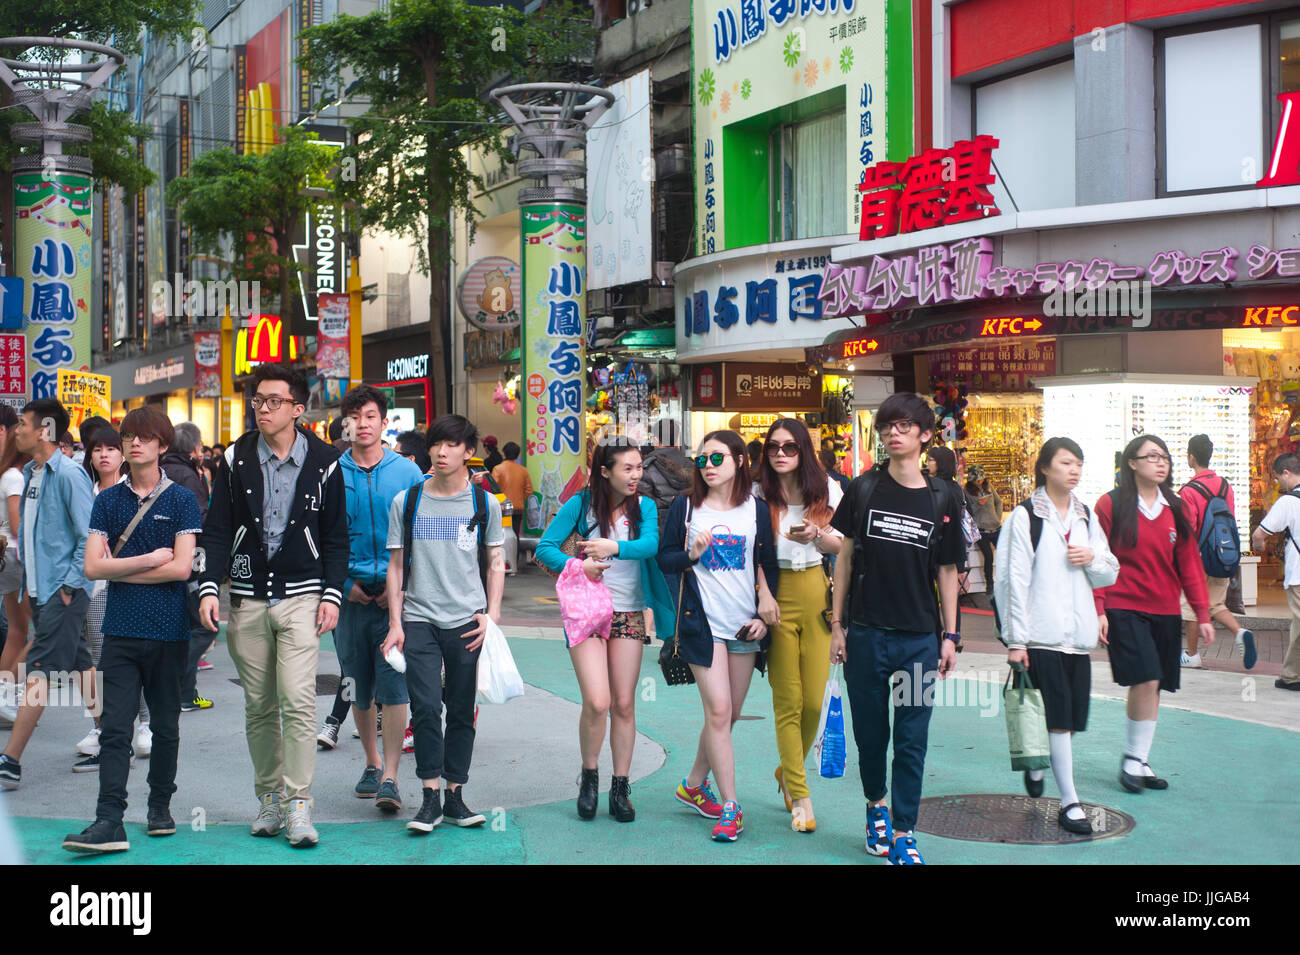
(694, 637)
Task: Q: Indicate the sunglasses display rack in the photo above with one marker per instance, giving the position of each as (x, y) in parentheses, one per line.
(1104, 416)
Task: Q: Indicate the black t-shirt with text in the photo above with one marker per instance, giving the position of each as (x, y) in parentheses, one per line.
(892, 587)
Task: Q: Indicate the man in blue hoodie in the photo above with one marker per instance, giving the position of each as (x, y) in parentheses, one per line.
(373, 475)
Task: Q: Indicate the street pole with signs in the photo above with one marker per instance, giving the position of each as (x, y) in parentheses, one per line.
(552, 121)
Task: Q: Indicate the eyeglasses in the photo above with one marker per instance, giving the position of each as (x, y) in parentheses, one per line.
(902, 426)
(128, 437)
(789, 449)
(1153, 458)
(716, 459)
(273, 402)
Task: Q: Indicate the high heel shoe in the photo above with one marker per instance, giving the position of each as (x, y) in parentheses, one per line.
(588, 793)
(801, 821)
(780, 787)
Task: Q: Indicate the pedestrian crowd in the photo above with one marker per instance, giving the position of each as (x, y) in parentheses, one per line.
(743, 558)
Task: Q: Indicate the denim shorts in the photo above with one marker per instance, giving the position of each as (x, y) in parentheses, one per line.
(739, 646)
(361, 631)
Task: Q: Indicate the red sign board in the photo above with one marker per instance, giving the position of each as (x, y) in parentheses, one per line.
(708, 387)
(1284, 167)
(536, 385)
(265, 336)
(939, 187)
(13, 365)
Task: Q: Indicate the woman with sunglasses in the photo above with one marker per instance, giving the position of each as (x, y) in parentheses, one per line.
(620, 531)
(1139, 617)
(714, 541)
(802, 500)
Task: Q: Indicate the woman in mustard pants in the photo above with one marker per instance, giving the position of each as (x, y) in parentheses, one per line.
(802, 499)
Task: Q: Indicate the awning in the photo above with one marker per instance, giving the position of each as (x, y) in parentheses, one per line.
(648, 338)
(511, 356)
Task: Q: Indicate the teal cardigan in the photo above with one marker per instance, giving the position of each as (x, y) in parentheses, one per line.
(573, 517)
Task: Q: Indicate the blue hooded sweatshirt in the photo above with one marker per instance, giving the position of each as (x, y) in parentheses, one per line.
(369, 496)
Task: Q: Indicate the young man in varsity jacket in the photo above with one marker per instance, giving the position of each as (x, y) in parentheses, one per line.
(278, 527)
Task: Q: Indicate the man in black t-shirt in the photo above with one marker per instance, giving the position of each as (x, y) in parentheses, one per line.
(902, 533)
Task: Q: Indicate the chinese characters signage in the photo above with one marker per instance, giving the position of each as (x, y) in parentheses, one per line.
(770, 388)
(333, 341)
(52, 253)
(84, 395)
(964, 271)
(939, 187)
(1007, 366)
(553, 355)
(13, 366)
(207, 364)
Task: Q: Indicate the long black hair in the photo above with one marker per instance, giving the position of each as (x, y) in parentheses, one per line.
(605, 456)
(945, 462)
(811, 476)
(1124, 519)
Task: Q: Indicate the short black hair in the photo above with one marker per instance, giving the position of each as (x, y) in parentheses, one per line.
(1201, 448)
(510, 451)
(412, 444)
(52, 409)
(1287, 462)
(453, 429)
(88, 427)
(945, 462)
(66, 438)
(335, 430)
(828, 459)
(1048, 452)
(906, 406)
(362, 395)
(295, 379)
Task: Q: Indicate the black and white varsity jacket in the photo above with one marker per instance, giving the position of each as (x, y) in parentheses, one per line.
(313, 554)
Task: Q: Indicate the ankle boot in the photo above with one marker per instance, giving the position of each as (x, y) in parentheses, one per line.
(588, 793)
(619, 806)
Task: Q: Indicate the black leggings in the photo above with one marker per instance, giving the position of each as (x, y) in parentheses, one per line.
(985, 544)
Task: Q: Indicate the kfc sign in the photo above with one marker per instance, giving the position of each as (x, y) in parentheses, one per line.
(939, 187)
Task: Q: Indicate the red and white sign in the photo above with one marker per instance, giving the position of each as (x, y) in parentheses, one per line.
(333, 348)
(207, 364)
(13, 365)
(939, 187)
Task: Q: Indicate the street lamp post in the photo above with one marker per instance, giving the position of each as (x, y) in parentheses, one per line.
(552, 121)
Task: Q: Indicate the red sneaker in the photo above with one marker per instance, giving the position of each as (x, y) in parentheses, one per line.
(408, 739)
(701, 799)
(731, 825)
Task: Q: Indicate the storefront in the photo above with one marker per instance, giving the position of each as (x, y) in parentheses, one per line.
(401, 362)
(164, 379)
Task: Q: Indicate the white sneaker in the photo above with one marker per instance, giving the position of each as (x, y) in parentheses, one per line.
(298, 826)
(143, 741)
(8, 704)
(1190, 661)
(89, 745)
(270, 820)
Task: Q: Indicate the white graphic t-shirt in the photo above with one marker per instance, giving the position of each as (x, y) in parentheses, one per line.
(623, 577)
(726, 569)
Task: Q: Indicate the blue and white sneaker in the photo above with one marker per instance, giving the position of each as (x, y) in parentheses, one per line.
(904, 851)
(1246, 645)
(880, 830)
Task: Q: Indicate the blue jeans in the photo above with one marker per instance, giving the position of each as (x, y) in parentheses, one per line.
(873, 657)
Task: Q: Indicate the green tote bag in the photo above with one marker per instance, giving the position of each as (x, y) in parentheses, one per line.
(1026, 723)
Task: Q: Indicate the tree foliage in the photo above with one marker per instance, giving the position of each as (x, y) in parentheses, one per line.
(118, 23)
(253, 203)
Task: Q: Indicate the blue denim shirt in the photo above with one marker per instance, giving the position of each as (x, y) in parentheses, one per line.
(62, 521)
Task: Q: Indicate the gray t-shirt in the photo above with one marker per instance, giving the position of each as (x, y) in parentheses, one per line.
(445, 587)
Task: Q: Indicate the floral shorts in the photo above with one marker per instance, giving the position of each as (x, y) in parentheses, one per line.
(629, 625)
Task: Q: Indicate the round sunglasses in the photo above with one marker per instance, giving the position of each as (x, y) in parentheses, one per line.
(716, 459)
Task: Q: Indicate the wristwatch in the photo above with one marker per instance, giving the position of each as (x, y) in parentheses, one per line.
(956, 640)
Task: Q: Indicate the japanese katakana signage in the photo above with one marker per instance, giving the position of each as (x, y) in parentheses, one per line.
(52, 249)
(553, 355)
(964, 271)
(939, 187)
(754, 57)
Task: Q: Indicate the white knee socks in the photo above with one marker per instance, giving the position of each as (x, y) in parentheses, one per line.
(1140, 735)
(1063, 770)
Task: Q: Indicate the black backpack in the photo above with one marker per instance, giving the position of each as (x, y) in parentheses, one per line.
(479, 521)
(1035, 534)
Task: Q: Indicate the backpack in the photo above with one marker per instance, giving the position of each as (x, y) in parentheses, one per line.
(479, 520)
(1035, 535)
(970, 531)
(1219, 541)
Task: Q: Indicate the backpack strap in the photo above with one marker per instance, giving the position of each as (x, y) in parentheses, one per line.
(480, 518)
(408, 529)
(1035, 524)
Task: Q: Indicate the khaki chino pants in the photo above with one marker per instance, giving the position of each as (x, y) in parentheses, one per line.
(276, 650)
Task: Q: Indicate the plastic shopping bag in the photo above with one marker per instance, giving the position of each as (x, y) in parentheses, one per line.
(498, 677)
(829, 748)
(1026, 722)
(586, 606)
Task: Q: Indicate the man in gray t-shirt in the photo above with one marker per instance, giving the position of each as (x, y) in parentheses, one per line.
(439, 616)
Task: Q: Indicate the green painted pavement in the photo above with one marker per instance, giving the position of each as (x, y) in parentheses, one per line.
(1231, 799)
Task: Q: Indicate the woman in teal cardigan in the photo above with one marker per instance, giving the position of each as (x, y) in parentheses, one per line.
(620, 538)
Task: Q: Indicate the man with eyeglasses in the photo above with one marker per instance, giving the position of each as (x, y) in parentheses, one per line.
(277, 526)
(902, 533)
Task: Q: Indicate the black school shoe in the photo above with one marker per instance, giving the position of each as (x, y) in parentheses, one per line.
(1080, 827)
(159, 822)
(100, 836)
(457, 813)
(1034, 786)
(1135, 784)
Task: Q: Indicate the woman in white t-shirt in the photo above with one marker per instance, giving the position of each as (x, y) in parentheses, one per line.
(802, 499)
(17, 611)
(715, 540)
(621, 537)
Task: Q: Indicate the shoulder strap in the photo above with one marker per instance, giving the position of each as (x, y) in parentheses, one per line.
(1035, 524)
(1203, 490)
(163, 482)
(408, 529)
(480, 517)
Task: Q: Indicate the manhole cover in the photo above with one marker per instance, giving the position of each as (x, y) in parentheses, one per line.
(327, 684)
(1018, 820)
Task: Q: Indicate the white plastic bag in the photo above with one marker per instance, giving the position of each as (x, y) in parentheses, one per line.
(498, 677)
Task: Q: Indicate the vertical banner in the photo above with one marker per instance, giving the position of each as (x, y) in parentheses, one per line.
(553, 356)
(84, 395)
(207, 364)
(156, 305)
(52, 254)
(185, 153)
(13, 369)
(104, 320)
(241, 97)
(141, 264)
(333, 335)
(304, 78)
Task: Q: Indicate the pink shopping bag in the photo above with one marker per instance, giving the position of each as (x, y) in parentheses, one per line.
(586, 607)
